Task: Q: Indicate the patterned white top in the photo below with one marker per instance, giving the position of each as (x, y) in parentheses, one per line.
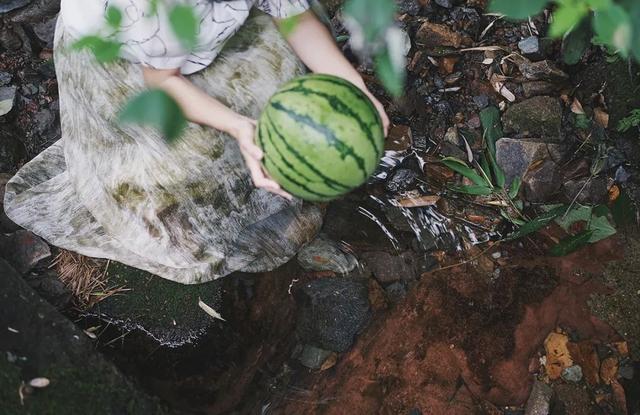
(148, 38)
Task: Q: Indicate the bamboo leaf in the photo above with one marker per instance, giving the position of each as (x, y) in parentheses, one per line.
(537, 223)
(461, 167)
(571, 243)
(473, 190)
(515, 187)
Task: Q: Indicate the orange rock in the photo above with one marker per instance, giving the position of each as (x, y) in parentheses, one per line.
(433, 35)
(558, 356)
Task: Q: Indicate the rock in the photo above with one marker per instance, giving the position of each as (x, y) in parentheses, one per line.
(313, 357)
(536, 88)
(324, 254)
(12, 151)
(396, 292)
(541, 71)
(445, 3)
(399, 138)
(43, 121)
(24, 250)
(7, 99)
(542, 183)
(41, 342)
(539, 400)
(49, 286)
(535, 117)
(574, 399)
(332, 311)
(448, 149)
(45, 31)
(8, 5)
(481, 101)
(433, 35)
(410, 7)
(530, 47)
(5, 78)
(160, 312)
(593, 192)
(515, 156)
(402, 180)
(572, 374)
(389, 268)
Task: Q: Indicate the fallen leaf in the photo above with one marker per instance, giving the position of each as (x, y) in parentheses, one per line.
(207, 309)
(39, 382)
(614, 193)
(411, 202)
(558, 356)
(329, 362)
(576, 107)
(622, 348)
(609, 370)
(447, 64)
(619, 397)
(476, 218)
(601, 117)
(487, 61)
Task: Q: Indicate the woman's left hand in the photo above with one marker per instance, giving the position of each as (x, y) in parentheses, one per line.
(383, 114)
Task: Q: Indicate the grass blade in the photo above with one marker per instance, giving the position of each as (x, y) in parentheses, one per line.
(461, 167)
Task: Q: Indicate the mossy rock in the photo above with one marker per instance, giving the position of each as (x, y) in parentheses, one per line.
(165, 310)
(43, 343)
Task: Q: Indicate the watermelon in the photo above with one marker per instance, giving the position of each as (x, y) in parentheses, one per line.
(321, 137)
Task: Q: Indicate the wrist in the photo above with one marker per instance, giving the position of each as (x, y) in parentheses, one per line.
(237, 125)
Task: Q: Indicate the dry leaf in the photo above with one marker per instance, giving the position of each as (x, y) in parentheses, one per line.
(558, 356)
(576, 107)
(609, 370)
(207, 309)
(601, 117)
(614, 193)
(487, 61)
(330, 362)
(411, 202)
(39, 382)
(622, 348)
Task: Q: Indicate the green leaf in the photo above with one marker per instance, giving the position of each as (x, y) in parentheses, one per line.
(498, 174)
(473, 190)
(517, 9)
(461, 167)
(613, 27)
(490, 119)
(567, 16)
(537, 223)
(571, 244)
(184, 25)
(373, 16)
(342, 38)
(114, 17)
(288, 25)
(392, 77)
(105, 50)
(576, 42)
(157, 109)
(515, 187)
(623, 210)
(596, 218)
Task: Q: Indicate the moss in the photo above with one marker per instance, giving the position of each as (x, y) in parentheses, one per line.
(127, 194)
(166, 309)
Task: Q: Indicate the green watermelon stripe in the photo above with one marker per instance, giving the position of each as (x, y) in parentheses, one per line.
(327, 180)
(341, 107)
(335, 80)
(294, 181)
(333, 141)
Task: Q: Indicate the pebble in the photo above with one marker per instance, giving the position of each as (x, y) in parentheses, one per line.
(396, 292)
(445, 3)
(481, 101)
(540, 399)
(402, 180)
(5, 78)
(7, 99)
(530, 46)
(572, 374)
(324, 254)
(313, 357)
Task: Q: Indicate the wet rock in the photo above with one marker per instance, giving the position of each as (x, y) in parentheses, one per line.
(324, 254)
(24, 250)
(43, 121)
(159, 311)
(433, 35)
(45, 31)
(530, 47)
(540, 399)
(481, 101)
(542, 183)
(535, 117)
(332, 311)
(7, 99)
(5, 78)
(516, 155)
(9, 5)
(544, 70)
(313, 357)
(537, 88)
(402, 180)
(49, 286)
(44, 343)
(396, 292)
(572, 374)
(388, 268)
(585, 190)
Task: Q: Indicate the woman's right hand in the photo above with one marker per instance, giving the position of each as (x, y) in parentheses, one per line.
(244, 131)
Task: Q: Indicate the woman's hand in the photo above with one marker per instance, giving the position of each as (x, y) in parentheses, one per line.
(244, 131)
(383, 114)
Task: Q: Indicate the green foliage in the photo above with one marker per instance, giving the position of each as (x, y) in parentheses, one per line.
(537, 223)
(288, 25)
(157, 109)
(114, 17)
(184, 24)
(630, 121)
(616, 23)
(105, 50)
(571, 243)
(373, 16)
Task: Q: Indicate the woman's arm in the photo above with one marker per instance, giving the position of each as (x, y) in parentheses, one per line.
(206, 110)
(315, 46)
